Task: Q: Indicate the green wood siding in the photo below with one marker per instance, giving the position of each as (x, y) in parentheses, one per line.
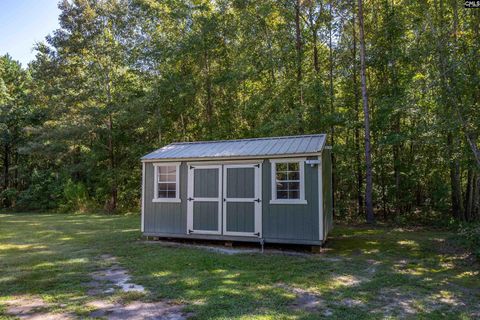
(281, 222)
(162, 216)
(291, 221)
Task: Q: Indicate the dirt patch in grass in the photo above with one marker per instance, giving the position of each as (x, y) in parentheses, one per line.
(348, 280)
(32, 308)
(306, 300)
(395, 303)
(138, 310)
(351, 303)
(114, 277)
(403, 305)
(105, 282)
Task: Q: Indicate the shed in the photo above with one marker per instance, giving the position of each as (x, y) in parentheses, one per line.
(276, 190)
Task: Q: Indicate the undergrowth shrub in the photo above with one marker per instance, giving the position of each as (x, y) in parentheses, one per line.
(75, 197)
(8, 197)
(469, 235)
(43, 192)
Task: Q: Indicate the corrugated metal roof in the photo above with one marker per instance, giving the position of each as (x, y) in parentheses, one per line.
(288, 145)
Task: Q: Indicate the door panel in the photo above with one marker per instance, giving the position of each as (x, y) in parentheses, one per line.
(241, 202)
(205, 215)
(241, 217)
(206, 183)
(241, 182)
(204, 199)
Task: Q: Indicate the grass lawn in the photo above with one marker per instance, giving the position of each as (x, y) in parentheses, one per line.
(371, 273)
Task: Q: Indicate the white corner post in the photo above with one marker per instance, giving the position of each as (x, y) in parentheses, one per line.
(320, 199)
(143, 198)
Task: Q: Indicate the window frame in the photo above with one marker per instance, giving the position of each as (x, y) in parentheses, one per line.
(273, 164)
(177, 182)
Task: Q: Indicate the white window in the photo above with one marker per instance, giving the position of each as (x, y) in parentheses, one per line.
(166, 183)
(288, 181)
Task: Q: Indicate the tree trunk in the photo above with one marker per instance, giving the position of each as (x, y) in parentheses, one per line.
(112, 203)
(396, 148)
(312, 24)
(298, 41)
(6, 166)
(396, 168)
(358, 160)
(330, 73)
(368, 156)
(448, 99)
(332, 97)
(456, 190)
(298, 46)
(383, 186)
(15, 171)
(476, 199)
(315, 51)
(208, 89)
(469, 195)
(469, 136)
(113, 188)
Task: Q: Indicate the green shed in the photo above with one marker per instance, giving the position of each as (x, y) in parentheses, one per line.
(275, 190)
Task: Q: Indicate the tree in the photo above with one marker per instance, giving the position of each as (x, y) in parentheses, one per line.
(368, 159)
(121, 78)
(14, 116)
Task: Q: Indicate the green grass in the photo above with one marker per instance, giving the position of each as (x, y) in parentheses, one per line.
(387, 272)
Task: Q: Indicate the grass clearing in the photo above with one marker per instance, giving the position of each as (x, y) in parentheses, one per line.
(366, 273)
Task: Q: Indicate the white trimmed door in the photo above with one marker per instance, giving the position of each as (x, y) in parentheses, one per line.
(204, 199)
(242, 207)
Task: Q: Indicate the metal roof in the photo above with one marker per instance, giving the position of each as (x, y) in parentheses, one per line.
(288, 145)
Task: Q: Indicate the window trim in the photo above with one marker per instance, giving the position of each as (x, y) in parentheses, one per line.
(177, 182)
(273, 178)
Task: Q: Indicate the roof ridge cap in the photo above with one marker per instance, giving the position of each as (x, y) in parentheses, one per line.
(248, 139)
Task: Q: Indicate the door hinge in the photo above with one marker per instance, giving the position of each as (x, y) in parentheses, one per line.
(190, 231)
(257, 200)
(257, 165)
(257, 234)
(224, 200)
(192, 167)
(190, 199)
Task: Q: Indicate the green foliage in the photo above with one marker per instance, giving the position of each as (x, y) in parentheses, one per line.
(469, 236)
(75, 197)
(45, 191)
(121, 78)
(8, 197)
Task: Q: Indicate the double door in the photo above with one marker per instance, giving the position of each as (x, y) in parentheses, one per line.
(224, 199)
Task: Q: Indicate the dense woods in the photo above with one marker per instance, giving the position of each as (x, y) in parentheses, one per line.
(121, 78)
